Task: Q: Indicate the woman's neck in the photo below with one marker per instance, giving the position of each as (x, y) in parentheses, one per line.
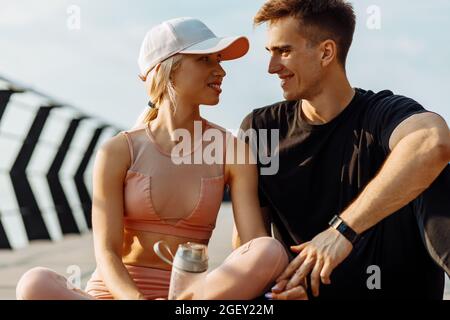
(166, 123)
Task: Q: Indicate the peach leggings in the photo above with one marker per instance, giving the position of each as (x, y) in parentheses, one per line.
(246, 273)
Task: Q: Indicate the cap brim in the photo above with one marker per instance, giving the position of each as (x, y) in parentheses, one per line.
(229, 47)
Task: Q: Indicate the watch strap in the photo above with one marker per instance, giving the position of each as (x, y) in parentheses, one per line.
(337, 223)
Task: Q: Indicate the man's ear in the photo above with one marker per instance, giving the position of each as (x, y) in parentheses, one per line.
(329, 52)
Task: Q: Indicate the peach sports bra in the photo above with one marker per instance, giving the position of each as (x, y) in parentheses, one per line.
(163, 196)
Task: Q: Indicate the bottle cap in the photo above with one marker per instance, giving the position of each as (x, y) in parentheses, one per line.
(191, 257)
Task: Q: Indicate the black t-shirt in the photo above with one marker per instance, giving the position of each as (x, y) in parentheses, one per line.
(322, 169)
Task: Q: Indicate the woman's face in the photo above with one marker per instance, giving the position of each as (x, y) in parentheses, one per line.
(198, 79)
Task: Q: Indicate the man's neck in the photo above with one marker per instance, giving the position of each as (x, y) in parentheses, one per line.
(329, 103)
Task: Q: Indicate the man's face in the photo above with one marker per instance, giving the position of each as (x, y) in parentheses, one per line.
(294, 60)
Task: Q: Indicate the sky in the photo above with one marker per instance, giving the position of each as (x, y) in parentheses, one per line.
(398, 45)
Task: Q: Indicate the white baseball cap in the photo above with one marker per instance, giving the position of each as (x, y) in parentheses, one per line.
(189, 36)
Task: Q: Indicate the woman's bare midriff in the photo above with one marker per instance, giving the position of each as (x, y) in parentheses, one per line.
(138, 248)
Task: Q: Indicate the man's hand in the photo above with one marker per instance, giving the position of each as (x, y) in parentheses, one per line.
(319, 257)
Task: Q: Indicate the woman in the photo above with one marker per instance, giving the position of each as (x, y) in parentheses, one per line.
(144, 192)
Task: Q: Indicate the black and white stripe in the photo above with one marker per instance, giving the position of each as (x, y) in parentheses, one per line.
(47, 151)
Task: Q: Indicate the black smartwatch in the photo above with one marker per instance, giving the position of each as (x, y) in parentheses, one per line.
(337, 223)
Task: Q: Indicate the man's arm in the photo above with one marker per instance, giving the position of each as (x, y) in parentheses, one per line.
(420, 150)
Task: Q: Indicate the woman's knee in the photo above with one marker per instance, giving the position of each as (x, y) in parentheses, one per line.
(33, 283)
(272, 252)
(272, 260)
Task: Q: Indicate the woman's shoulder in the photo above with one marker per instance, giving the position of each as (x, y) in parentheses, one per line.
(136, 130)
(116, 149)
(115, 144)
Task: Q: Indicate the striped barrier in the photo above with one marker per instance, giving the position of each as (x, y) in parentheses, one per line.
(47, 152)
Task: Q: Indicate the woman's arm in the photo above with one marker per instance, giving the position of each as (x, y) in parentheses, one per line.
(235, 239)
(111, 164)
(243, 181)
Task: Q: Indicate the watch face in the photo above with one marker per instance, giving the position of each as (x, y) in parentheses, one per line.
(345, 230)
(335, 221)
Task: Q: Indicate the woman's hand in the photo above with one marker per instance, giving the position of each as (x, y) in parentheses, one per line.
(279, 292)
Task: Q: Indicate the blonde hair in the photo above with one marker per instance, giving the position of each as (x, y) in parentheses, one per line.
(160, 87)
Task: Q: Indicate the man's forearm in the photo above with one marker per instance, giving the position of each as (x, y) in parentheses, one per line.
(410, 168)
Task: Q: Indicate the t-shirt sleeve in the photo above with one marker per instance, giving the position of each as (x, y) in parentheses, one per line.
(263, 201)
(386, 114)
(246, 125)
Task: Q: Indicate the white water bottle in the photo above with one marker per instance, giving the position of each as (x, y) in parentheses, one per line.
(189, 269)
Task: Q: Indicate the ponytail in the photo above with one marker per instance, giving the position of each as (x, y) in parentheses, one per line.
(160, 88)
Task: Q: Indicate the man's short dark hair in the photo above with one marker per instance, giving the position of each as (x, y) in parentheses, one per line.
(319, 20)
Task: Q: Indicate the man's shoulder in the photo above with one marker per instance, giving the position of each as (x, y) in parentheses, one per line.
(264, 116)
(274, 108)
(383, 111)
(385, 99)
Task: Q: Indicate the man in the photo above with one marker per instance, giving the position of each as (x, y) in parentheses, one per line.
(352, 195)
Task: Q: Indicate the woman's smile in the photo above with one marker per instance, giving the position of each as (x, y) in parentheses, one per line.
(216, 86)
